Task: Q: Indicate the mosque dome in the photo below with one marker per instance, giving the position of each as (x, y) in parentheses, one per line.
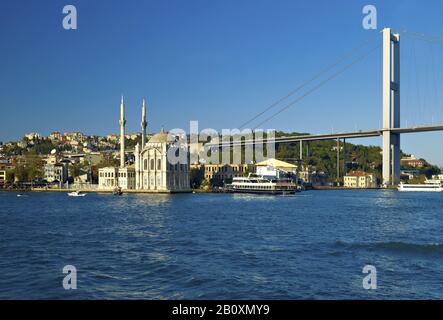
(160, 137)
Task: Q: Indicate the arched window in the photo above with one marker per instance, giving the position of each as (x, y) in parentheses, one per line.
(145, 164)
(159, 164)
(152, 164)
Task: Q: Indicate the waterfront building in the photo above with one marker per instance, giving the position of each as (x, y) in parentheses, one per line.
(2, 177)
(224, 172)
(275, 168)
(307, 176)
(108, 178)
(83, 178)
(151, 172)
(360, 180)
(126, 178)
(56, 172)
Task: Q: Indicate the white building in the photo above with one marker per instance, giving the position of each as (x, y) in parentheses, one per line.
(73, 136)
(360, 180)
(108, 178)
(2, 176)
(152, 171)
(56, 172)
(276, 168)
(126, 178)
(32, 136)
(55, 136)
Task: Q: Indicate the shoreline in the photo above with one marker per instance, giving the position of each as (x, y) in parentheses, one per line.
(41, 190)
(345, 188)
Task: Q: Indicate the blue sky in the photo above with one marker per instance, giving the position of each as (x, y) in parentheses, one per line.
(218, 62)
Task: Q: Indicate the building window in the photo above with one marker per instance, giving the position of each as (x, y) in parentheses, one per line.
(146, 164)
(152, 164)
(159, 164)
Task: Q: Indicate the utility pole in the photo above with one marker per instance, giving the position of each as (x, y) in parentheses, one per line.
(344, 158)
(338, 161)
(307, 150)
(301, 150)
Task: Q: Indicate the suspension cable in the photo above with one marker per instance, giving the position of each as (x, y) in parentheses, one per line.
(422, 36)
(321, 84)
(304, 84)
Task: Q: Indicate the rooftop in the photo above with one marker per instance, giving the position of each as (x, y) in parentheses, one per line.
(276, 164)
(358, 174)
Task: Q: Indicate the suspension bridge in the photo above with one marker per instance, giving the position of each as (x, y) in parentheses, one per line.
(391, 129)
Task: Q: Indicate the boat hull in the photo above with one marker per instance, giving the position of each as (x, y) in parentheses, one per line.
(76, 194)
(420, 188)
(264, 192)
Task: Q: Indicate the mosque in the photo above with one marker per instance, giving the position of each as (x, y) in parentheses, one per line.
(151, 171)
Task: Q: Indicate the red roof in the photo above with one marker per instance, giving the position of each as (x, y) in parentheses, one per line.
(358, 174)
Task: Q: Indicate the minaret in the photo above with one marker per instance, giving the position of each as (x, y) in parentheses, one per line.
(137, 166)
(122, 133)
(143, 124)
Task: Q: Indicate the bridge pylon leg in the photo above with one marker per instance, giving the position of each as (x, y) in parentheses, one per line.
(391, 107)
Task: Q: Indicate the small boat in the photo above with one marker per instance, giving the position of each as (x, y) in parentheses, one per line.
(117, 192)
(428, 186)
(76, 194)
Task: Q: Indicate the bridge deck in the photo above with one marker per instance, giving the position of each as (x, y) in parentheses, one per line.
(332, 136)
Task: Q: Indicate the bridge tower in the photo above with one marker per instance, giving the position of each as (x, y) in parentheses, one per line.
(391, 107)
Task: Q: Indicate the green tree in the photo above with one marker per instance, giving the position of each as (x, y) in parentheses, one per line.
(196, 177)
(108, 162)
(20, 173)
(33, 166)
(417, 180)
(10, 176)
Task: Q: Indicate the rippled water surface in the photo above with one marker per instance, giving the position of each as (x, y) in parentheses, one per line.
(221, 246)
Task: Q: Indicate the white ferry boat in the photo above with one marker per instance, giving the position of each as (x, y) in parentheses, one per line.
(261, 185)
(428, 186)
